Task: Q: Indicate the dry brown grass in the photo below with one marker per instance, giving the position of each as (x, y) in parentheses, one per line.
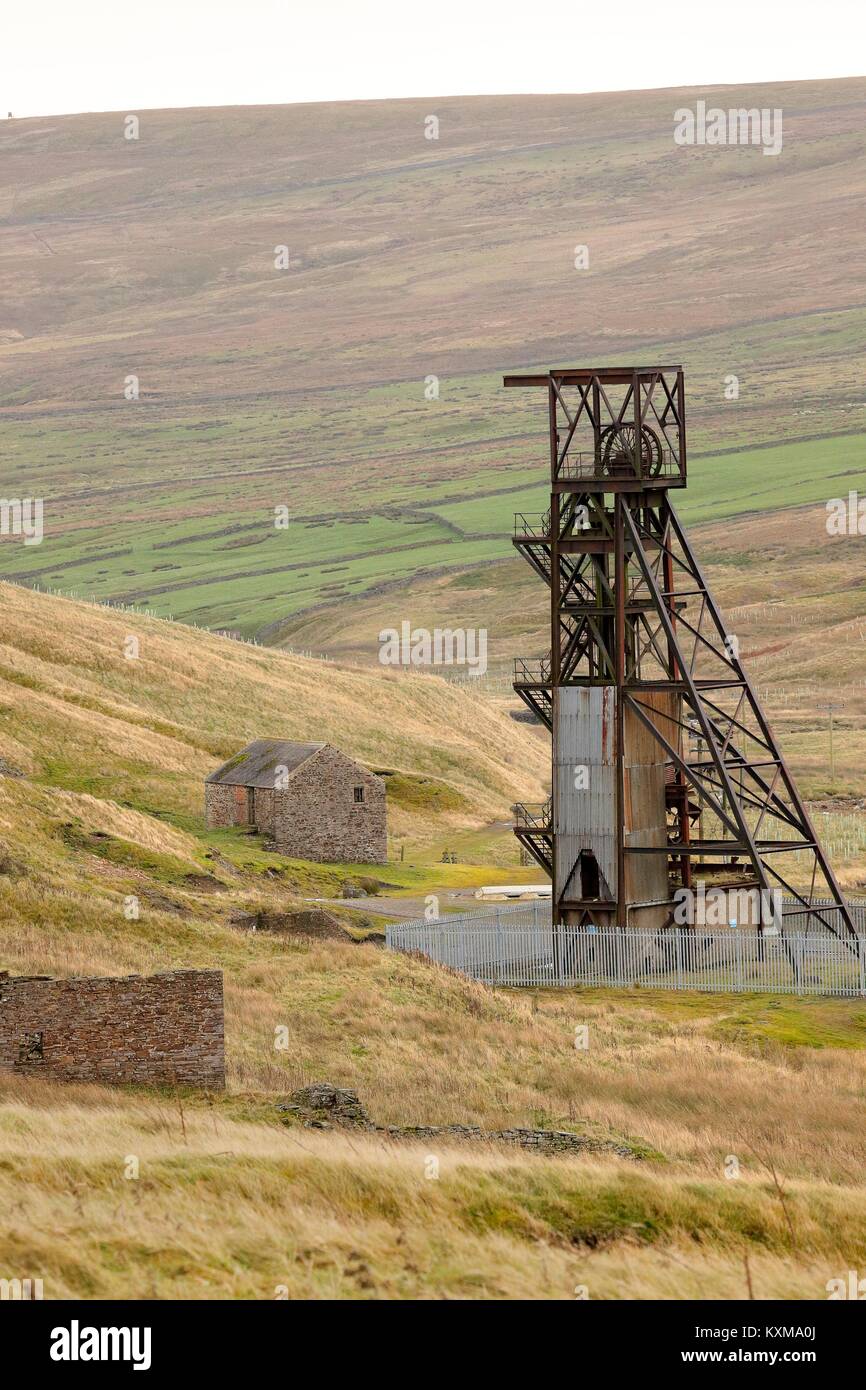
(232, 1204)
(694, 1077)
(77, 711)
(226, 1208)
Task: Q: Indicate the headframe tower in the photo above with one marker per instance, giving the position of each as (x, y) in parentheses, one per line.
(665, 768)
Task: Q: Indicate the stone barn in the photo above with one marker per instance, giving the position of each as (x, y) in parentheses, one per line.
(314, 801)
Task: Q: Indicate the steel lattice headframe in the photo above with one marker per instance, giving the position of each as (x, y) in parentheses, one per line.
(631, 614)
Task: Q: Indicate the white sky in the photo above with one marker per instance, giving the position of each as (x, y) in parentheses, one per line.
(130, 55)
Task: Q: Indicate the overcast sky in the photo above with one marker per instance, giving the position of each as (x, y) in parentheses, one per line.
(129, 55)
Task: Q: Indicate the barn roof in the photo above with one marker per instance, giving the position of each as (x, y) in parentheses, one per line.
(255, 765)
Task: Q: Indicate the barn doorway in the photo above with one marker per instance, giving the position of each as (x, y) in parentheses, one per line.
(243, 799)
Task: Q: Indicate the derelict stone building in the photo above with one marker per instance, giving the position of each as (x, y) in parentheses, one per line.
(140, 1029)
(314, 801)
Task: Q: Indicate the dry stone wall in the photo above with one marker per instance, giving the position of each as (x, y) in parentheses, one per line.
(322, 1106)
(264, 802)
(145, 1029)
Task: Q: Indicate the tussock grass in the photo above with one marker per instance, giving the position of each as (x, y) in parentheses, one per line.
(223, 1208)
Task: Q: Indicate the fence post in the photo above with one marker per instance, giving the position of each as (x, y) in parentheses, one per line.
(499, 947)
(739, 960)
(861, 964)
(534, 951)
(679, 958)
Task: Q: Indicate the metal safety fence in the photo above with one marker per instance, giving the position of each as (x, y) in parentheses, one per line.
(519, 946)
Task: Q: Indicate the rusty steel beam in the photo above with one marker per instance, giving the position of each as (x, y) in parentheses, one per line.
(586, 376)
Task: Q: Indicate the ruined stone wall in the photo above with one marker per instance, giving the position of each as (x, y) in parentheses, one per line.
(147, 1029)
(316, 815)
(322, 1105)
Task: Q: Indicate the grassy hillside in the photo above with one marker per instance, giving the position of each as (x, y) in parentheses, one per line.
(794, 596)
(234, 1198)
(113, 751)
(232, 1202)
(304, 388)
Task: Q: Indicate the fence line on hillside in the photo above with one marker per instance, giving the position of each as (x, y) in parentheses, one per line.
(519, 947)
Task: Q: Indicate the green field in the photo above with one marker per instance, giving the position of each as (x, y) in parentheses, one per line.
(305, 389)
(245, 574)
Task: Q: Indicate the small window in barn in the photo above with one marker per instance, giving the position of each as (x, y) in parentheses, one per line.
(359, 796)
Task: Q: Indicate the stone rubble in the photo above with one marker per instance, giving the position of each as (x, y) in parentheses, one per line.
(323, 1106)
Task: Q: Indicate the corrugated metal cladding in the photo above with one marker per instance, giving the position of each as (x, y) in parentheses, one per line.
(585, 720)
(662, 708)
(646, 875)
(648, 918)
(584, 817)
(645, 811)
(585, 820)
